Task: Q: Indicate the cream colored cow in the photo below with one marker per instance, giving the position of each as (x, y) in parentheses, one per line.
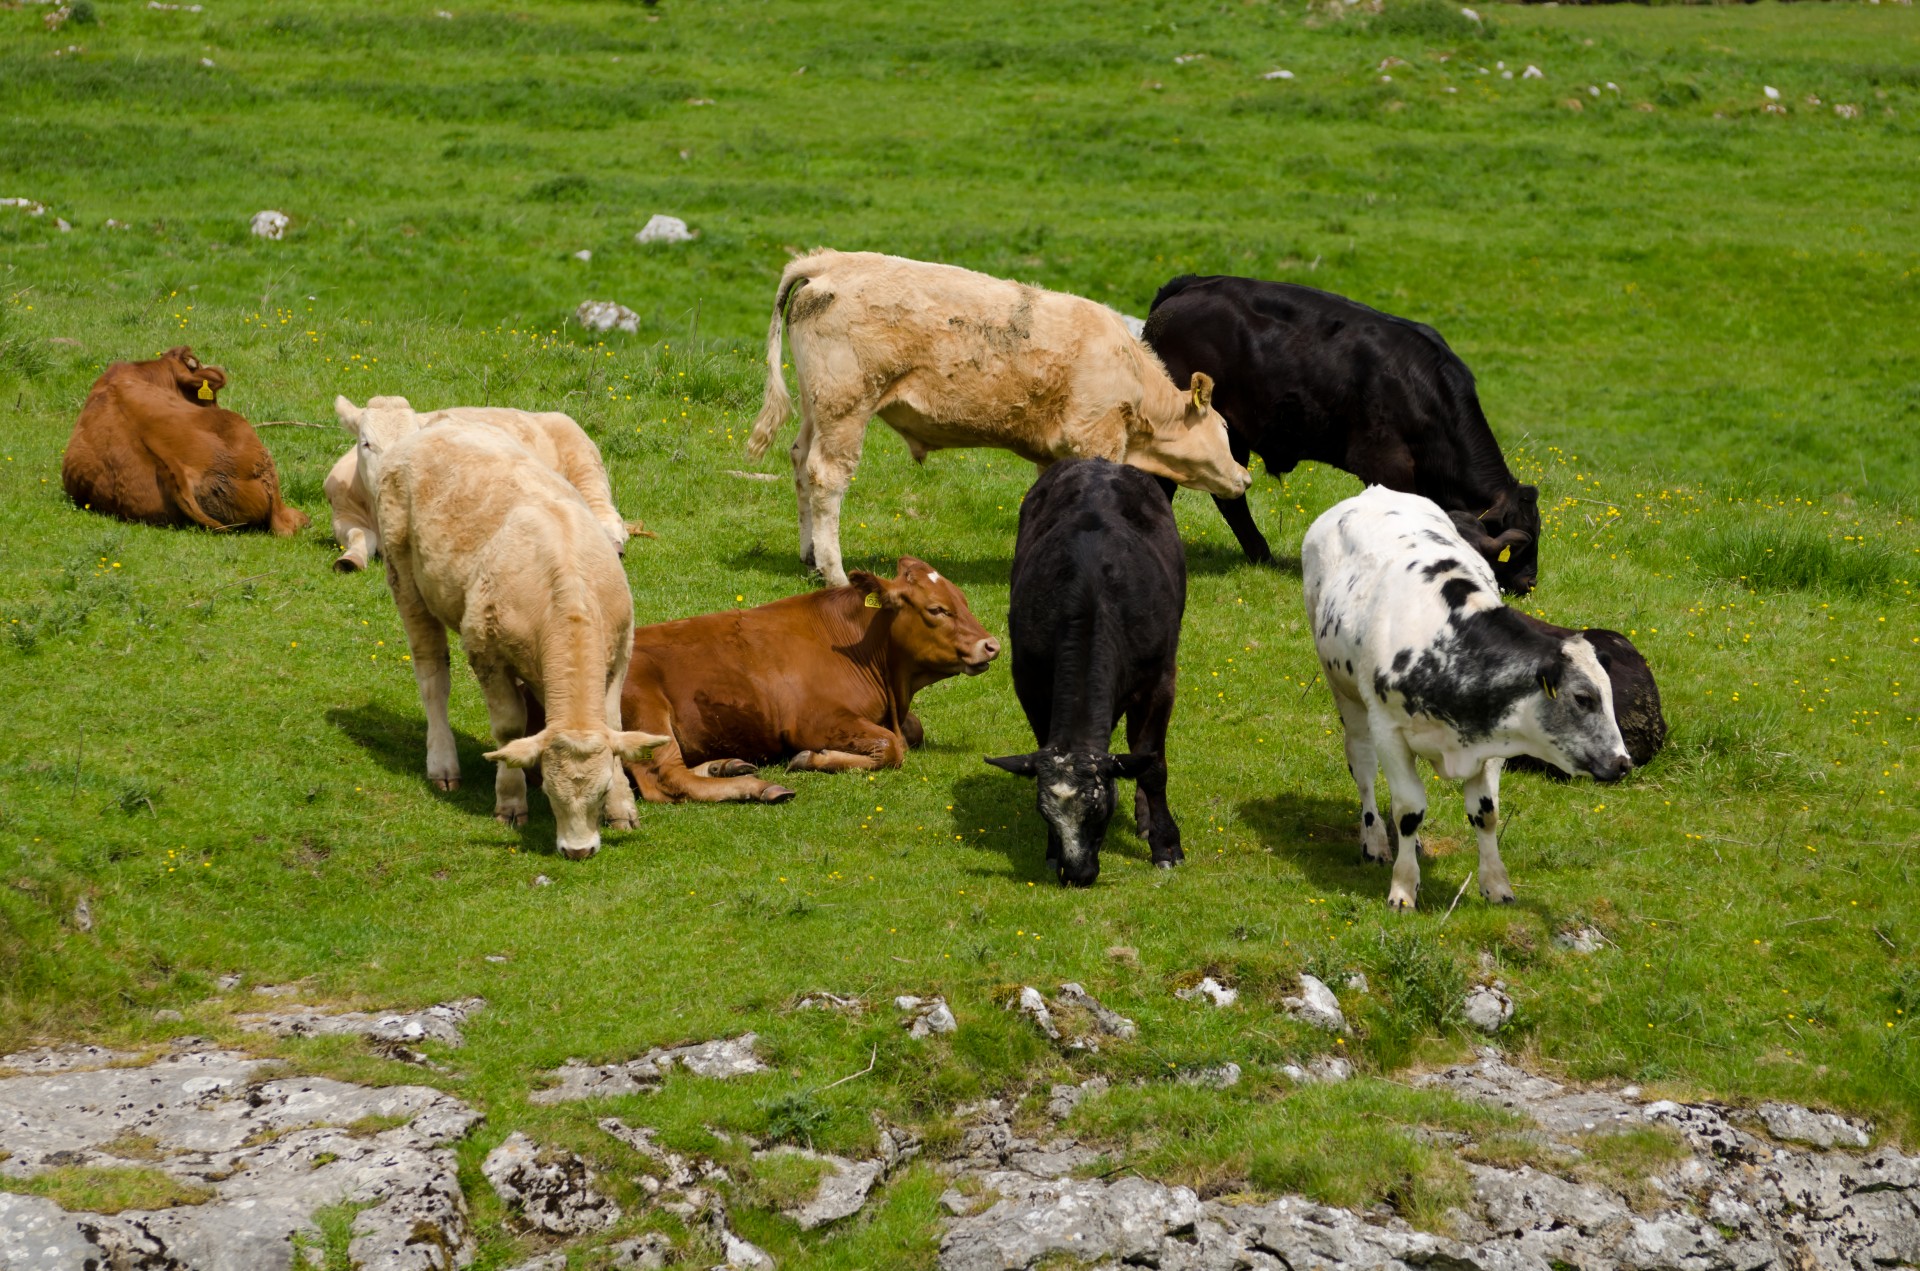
(481, 537)
(951, 358)
(555, 439)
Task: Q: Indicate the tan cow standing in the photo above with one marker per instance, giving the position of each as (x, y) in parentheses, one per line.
(555, 439)
(153, 444)
(950, 358)
(480, 537)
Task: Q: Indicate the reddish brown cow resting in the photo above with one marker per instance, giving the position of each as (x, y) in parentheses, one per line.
(153, 445)
(827, 678)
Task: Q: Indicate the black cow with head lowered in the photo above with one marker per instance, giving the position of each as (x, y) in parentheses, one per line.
(1099, 588)
(1636, 698)
(1300, 373)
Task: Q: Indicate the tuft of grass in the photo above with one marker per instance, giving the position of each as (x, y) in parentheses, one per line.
(330, 1251)
(1431, 21)
(1799, 555)
(108, 1189)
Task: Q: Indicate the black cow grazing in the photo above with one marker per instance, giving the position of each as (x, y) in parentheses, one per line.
(1636, 698)
(1300, 373)
(1099, 587)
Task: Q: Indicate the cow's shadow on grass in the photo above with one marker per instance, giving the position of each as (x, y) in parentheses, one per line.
(398, 742)
(994, 813)
(1321, 836)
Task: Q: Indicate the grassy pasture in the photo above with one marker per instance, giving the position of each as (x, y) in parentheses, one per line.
(1692, 320)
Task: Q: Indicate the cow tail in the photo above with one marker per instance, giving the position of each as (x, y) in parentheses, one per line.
(777, 404)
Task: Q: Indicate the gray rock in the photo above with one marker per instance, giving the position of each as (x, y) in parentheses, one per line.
(440, 1023)
(1218, 1077)
(1034, 1007)
(600, 315)
(729, 1057)
(641, 1253)
(65, 1059)
(556, 1261)
(1321, 1070)
(1316, 1005)
(1487, 1007)
(1357, 982)
(1796, 1124)
(270, 224)
(927, 1016)
(1210, 990)
(825, 1001)
(552, 1190)
(1063, 1099)
(1128, 1220)
(1580, 940)
(272, 1152)
(229, 982)
(1110, 1022)
(842, 1191)
(664, 229)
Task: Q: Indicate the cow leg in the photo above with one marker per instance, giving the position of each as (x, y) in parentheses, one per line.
(1238, 513)
(914, 733)
(507, 717)
(854, 745)
(1482, 792)
(358, 552)
(427, 644)
(177, 484)
(1147, 733)
(619, 812)
(802, 489)
(1409, 809)
(666, 779)
(830, 467)
(1363, 765)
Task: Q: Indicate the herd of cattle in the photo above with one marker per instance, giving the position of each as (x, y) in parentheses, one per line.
(501, 525)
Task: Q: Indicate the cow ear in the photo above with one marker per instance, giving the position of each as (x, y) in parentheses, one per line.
(1549, 676)
(1018, 765)
(879, 591)
(633, 746)
(1529, 494)
(522, 752)
(1606, 659)
(348, 415)
(1128, 766)
(1202, 390)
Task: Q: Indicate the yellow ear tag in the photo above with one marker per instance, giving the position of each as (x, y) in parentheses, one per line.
(1548, 687)
(872, 601)
(1506, 554)
(206, 391)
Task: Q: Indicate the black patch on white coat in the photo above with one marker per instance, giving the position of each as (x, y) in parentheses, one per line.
(1486, 803)
(1456, 591)
(1409, 823)
(1475, 672)
(1439, 567)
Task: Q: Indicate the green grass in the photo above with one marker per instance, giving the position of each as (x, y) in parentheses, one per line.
(108, 1189)
(1692, 324)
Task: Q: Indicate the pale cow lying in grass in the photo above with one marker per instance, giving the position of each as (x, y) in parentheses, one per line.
(555, 439)
(1425, 661)
(481, 537)
(950, 358)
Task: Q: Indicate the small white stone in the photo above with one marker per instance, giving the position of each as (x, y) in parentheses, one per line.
(1773, 94)
(664, 229)
(1488, 1007)
(270, 224)
(541, 880)
(606, 315)
(583, 254)
(1278, 75)
(1316, 1005)
(1533, 72)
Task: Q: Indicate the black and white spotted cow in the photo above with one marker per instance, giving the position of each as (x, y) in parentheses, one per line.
(1425, 661)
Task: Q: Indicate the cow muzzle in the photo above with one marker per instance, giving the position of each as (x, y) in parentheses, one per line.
(579, 851)
(1611, 769)
(984, 653)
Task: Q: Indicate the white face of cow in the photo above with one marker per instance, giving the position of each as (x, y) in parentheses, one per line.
(577, 770)
(1194, 449)
(1572, 716)
(378, 425)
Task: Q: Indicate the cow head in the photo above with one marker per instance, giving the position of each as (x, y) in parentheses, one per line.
(577, 769)
(1076, 796)
(932, 629)
(1572, 724)
(1508, 535)
(197, 382)
(1191, 447)
(378, 425)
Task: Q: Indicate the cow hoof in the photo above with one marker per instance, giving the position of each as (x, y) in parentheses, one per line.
(1165, 864)
(732, 768)
(445, 783)
(622, 822)
(1502, 897)
(513, 820)
(776, 794)
(800, 762)
(1400, 903)
(346, 565)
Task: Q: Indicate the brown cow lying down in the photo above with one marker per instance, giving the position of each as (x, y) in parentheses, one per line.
(554, 438)
(153, 445)
(827, 678)
(949, 358)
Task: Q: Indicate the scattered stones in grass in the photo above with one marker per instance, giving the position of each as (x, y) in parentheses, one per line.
(1580, 940)
(1357, 982)
(1108, 1020)
(228, 982)
(1214, 1077)
(640, 1253)
(664, 229)
(1316, 1005)
(825, 1001)
(843, 1190)
(270, 1151)
(605, 315)
(391, 1033)
(1793, 1124)
(1211, 990)
(1487, 1007)
(731, 1057)
(552, 1190)
(1322, 1070)
(268, 224)
(926, 1016)
(1029, 1003)
(1063, 1098)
